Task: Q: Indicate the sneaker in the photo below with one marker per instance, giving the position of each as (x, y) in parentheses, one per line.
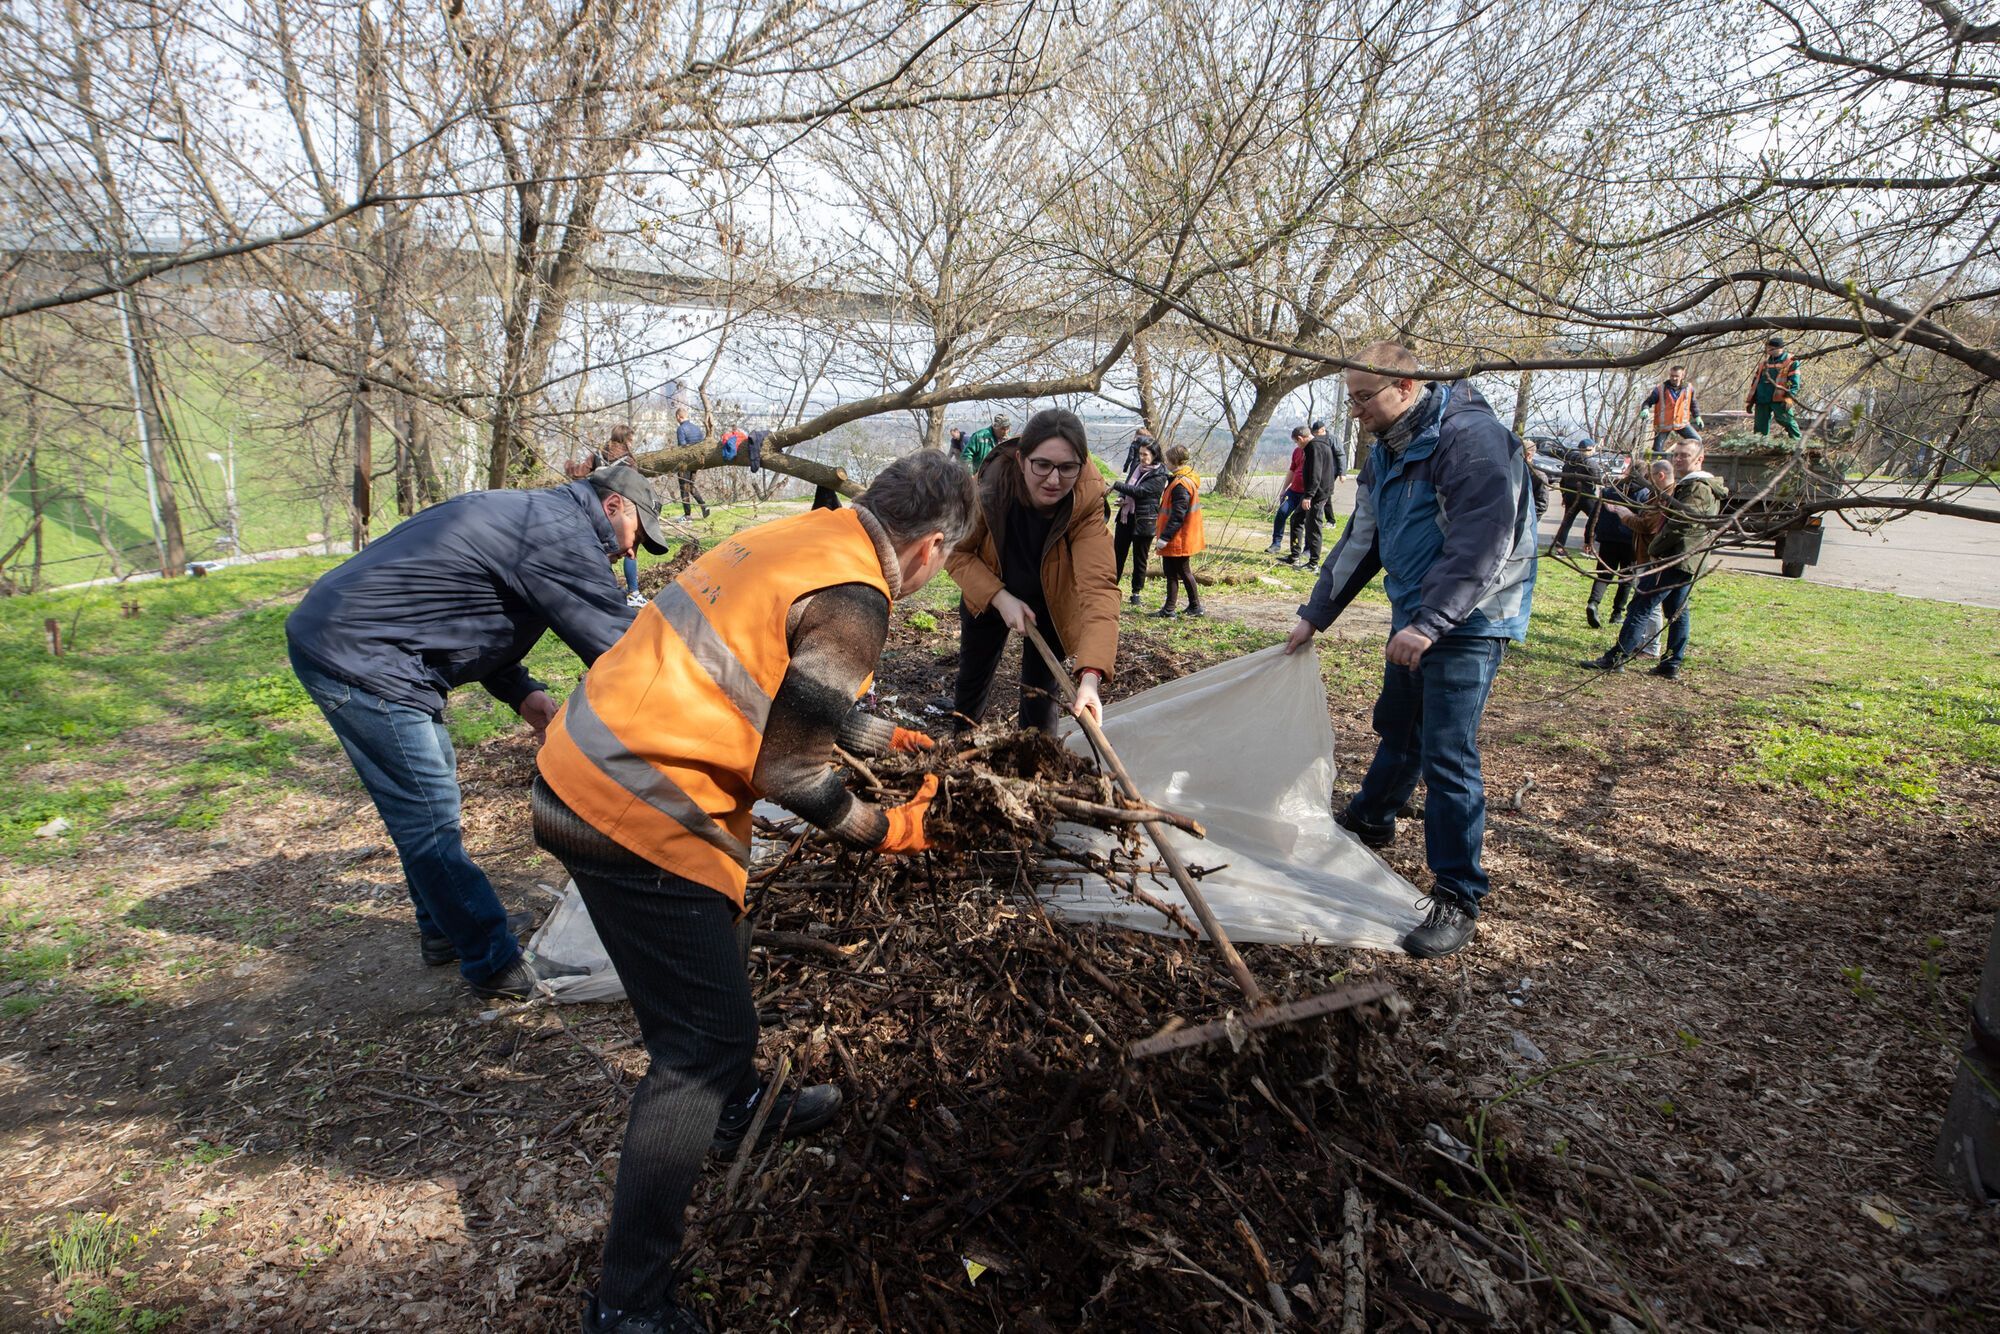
(1196, 611)
(518, 979)
(635, 599)
(1617, 615)
(796, 1112)
(1134, 599)
(671, 1320)
(1166, 613)
(1668, 669)
(1273, 549)
(1445, 929)
(1590, 616)
(438, 950)
(1610, 662)
(1377, 836)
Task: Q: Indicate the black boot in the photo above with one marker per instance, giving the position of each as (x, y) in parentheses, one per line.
(1377, 836)
(438, 950)
(670, 1320)
(1612, 661)
(1445, 929)
(517, 980)
(1668, 668)
(1590, 616)
(797, 1112)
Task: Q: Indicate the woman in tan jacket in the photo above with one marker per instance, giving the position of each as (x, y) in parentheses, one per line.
(1039, 554)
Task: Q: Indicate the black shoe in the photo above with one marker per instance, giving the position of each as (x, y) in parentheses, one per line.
(1590, 616)
(1377, 836)
(1166, 613)
(1669, 669)
(1196, 610)
(1612, 661)
(1617, 615)
(1134, 599)
(439, 950)
(672, 1320)
(517, 980)
(1273, 549)
(795, 1113)
(1445, 930)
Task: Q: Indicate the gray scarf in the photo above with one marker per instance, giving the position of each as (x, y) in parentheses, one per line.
(1396, 438)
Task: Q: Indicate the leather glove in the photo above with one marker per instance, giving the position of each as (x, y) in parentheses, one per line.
(906, 822)
(909, 740)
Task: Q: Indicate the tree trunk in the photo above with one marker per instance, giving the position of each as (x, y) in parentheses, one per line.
(1968, 1150)
(364, 296)
(1521, 392)
(1149, 401)
(1243, 448)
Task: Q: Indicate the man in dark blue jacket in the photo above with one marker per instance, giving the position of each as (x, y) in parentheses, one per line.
(1443, 509)
(458, 593)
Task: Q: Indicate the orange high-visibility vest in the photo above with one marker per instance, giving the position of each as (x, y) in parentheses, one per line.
(1672, 411)
(657, 745)
(1190, 539)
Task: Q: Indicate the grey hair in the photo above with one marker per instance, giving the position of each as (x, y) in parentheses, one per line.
(918, 494)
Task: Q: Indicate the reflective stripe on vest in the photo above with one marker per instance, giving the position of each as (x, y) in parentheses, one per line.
(657, 748)
(1671, 410)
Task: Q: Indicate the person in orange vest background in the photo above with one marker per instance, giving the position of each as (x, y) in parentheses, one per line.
(736, 683)
(1039, 553)
(1675, 413)
(1181, 537)
(1773, 385)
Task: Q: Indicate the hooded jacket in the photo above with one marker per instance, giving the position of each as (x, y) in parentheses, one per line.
(1684, 541)
(461, 591)
(1450, 523)
(1079, 577)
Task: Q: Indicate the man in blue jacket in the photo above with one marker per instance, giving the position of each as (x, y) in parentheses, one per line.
(1443, 509)
(458, 593)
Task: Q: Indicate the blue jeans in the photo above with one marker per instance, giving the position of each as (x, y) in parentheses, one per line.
(1428, 720)
(631, 574)
(1668, 591)
(407, 763)
(1287, 502)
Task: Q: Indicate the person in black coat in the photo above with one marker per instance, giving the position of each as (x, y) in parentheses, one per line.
(1309, 519)
(1579, 483)
(1138, 510)
(1607, 533)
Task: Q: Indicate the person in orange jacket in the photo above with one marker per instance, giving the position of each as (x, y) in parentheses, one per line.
(1181, 536)
(735, 684)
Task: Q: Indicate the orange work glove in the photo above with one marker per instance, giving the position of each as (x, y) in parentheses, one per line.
(908, 739)
(906, 822)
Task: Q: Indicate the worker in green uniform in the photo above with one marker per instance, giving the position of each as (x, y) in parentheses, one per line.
(1772, 387)
(980, 445)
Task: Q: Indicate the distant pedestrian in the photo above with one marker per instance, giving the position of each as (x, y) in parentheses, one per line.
(1537, 483)
(1181, 534)
(1441, 510)
(958, 442)
(1138, 513)
(1293, 492)
(1038, 554)
(1579, 485)
(1333, 451)
(1309, 519)
(1140, 436)
(689, 432)
(1613, 540)
(1676, 557)
(618, 449)
(980, 445)
(1676, 415)
(1773, 386)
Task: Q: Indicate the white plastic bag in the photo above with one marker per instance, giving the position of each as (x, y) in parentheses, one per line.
(1245, 748)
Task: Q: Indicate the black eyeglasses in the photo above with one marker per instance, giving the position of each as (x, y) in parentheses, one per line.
(1043, 467)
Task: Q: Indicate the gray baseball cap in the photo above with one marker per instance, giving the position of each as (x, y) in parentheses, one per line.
(625, 480)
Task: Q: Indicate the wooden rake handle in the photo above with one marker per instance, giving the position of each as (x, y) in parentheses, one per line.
(1245, 979)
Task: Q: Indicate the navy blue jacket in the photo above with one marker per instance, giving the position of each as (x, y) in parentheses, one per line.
(461, 592)
(1450, 523)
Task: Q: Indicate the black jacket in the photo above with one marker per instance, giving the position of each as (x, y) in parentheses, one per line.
(1145, 494)
(461, 592)
(1606, 527)
(1579, 479)
(1335, 466)
(1317, 475)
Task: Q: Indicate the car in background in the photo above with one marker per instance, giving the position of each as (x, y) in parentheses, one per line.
(1550, 454)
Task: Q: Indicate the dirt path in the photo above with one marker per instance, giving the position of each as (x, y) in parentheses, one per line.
(1720, 1020)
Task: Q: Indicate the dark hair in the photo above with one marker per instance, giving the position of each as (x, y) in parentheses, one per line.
(1298, 431)
(920, 494)
(1318, 427)
(1150, 446)
(1177, 455)
(1046, 425)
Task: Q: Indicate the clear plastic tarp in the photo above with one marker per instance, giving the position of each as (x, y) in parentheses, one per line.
(1245, 748)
